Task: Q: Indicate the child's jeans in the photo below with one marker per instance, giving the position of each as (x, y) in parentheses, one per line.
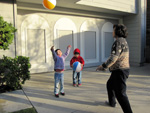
(59, 79)
(77, 75)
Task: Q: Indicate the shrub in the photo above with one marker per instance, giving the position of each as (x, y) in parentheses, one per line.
(6, 34)
(14, 71)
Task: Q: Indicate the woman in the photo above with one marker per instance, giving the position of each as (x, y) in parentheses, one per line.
(118, 64)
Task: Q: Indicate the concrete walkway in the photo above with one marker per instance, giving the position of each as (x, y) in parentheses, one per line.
(13, 101)
(91, 96)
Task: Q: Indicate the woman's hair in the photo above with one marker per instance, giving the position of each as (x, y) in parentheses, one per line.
(120, 30)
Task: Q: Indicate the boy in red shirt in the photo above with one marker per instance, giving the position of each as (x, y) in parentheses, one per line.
(76, 75)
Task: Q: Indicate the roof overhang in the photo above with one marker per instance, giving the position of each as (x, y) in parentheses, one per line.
(79, 5)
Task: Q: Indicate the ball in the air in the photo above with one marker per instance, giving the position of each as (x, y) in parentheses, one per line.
(77, 66)
(49, 4)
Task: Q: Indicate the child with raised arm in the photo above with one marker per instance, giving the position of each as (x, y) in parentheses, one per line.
(59, 66)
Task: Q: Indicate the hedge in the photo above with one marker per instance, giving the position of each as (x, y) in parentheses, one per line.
(14, 71)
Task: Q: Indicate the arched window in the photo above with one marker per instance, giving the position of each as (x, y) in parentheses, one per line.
(89, 41)
(65, 33)
(106, 40)
(35, 42)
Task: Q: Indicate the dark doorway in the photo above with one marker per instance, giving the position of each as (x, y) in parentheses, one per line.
(148, 33)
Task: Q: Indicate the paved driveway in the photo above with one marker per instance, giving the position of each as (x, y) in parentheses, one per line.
(91, 96)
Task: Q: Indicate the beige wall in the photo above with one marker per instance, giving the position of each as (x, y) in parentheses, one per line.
(7, 12)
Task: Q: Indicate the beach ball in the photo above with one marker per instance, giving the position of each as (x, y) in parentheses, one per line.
(77, 66)
(49, 4)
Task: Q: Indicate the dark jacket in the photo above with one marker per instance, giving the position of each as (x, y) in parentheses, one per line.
(119, 58)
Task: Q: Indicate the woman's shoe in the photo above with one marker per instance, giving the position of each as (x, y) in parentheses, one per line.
(112, 105)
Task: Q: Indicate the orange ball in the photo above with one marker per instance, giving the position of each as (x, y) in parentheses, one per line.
(49, 4)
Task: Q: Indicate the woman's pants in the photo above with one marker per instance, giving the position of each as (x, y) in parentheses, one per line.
(116, 87)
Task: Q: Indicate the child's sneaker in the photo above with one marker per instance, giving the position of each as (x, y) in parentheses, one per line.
(79, 85)
(63, 94)
(74, 85)
(57, 95)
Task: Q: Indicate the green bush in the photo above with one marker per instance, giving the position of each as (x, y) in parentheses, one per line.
(14, 71)
(6, 34)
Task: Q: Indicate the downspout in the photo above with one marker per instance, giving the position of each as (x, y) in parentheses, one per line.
(143, 32)
(14, 18)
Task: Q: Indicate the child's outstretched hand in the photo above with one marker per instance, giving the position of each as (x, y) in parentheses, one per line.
(52, 48)
(100, 68)
(69, 46)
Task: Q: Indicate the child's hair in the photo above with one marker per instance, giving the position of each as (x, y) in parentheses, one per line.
(56, 50)
(76, 53)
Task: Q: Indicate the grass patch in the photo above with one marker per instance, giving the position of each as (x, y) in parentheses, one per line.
(28, 110)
